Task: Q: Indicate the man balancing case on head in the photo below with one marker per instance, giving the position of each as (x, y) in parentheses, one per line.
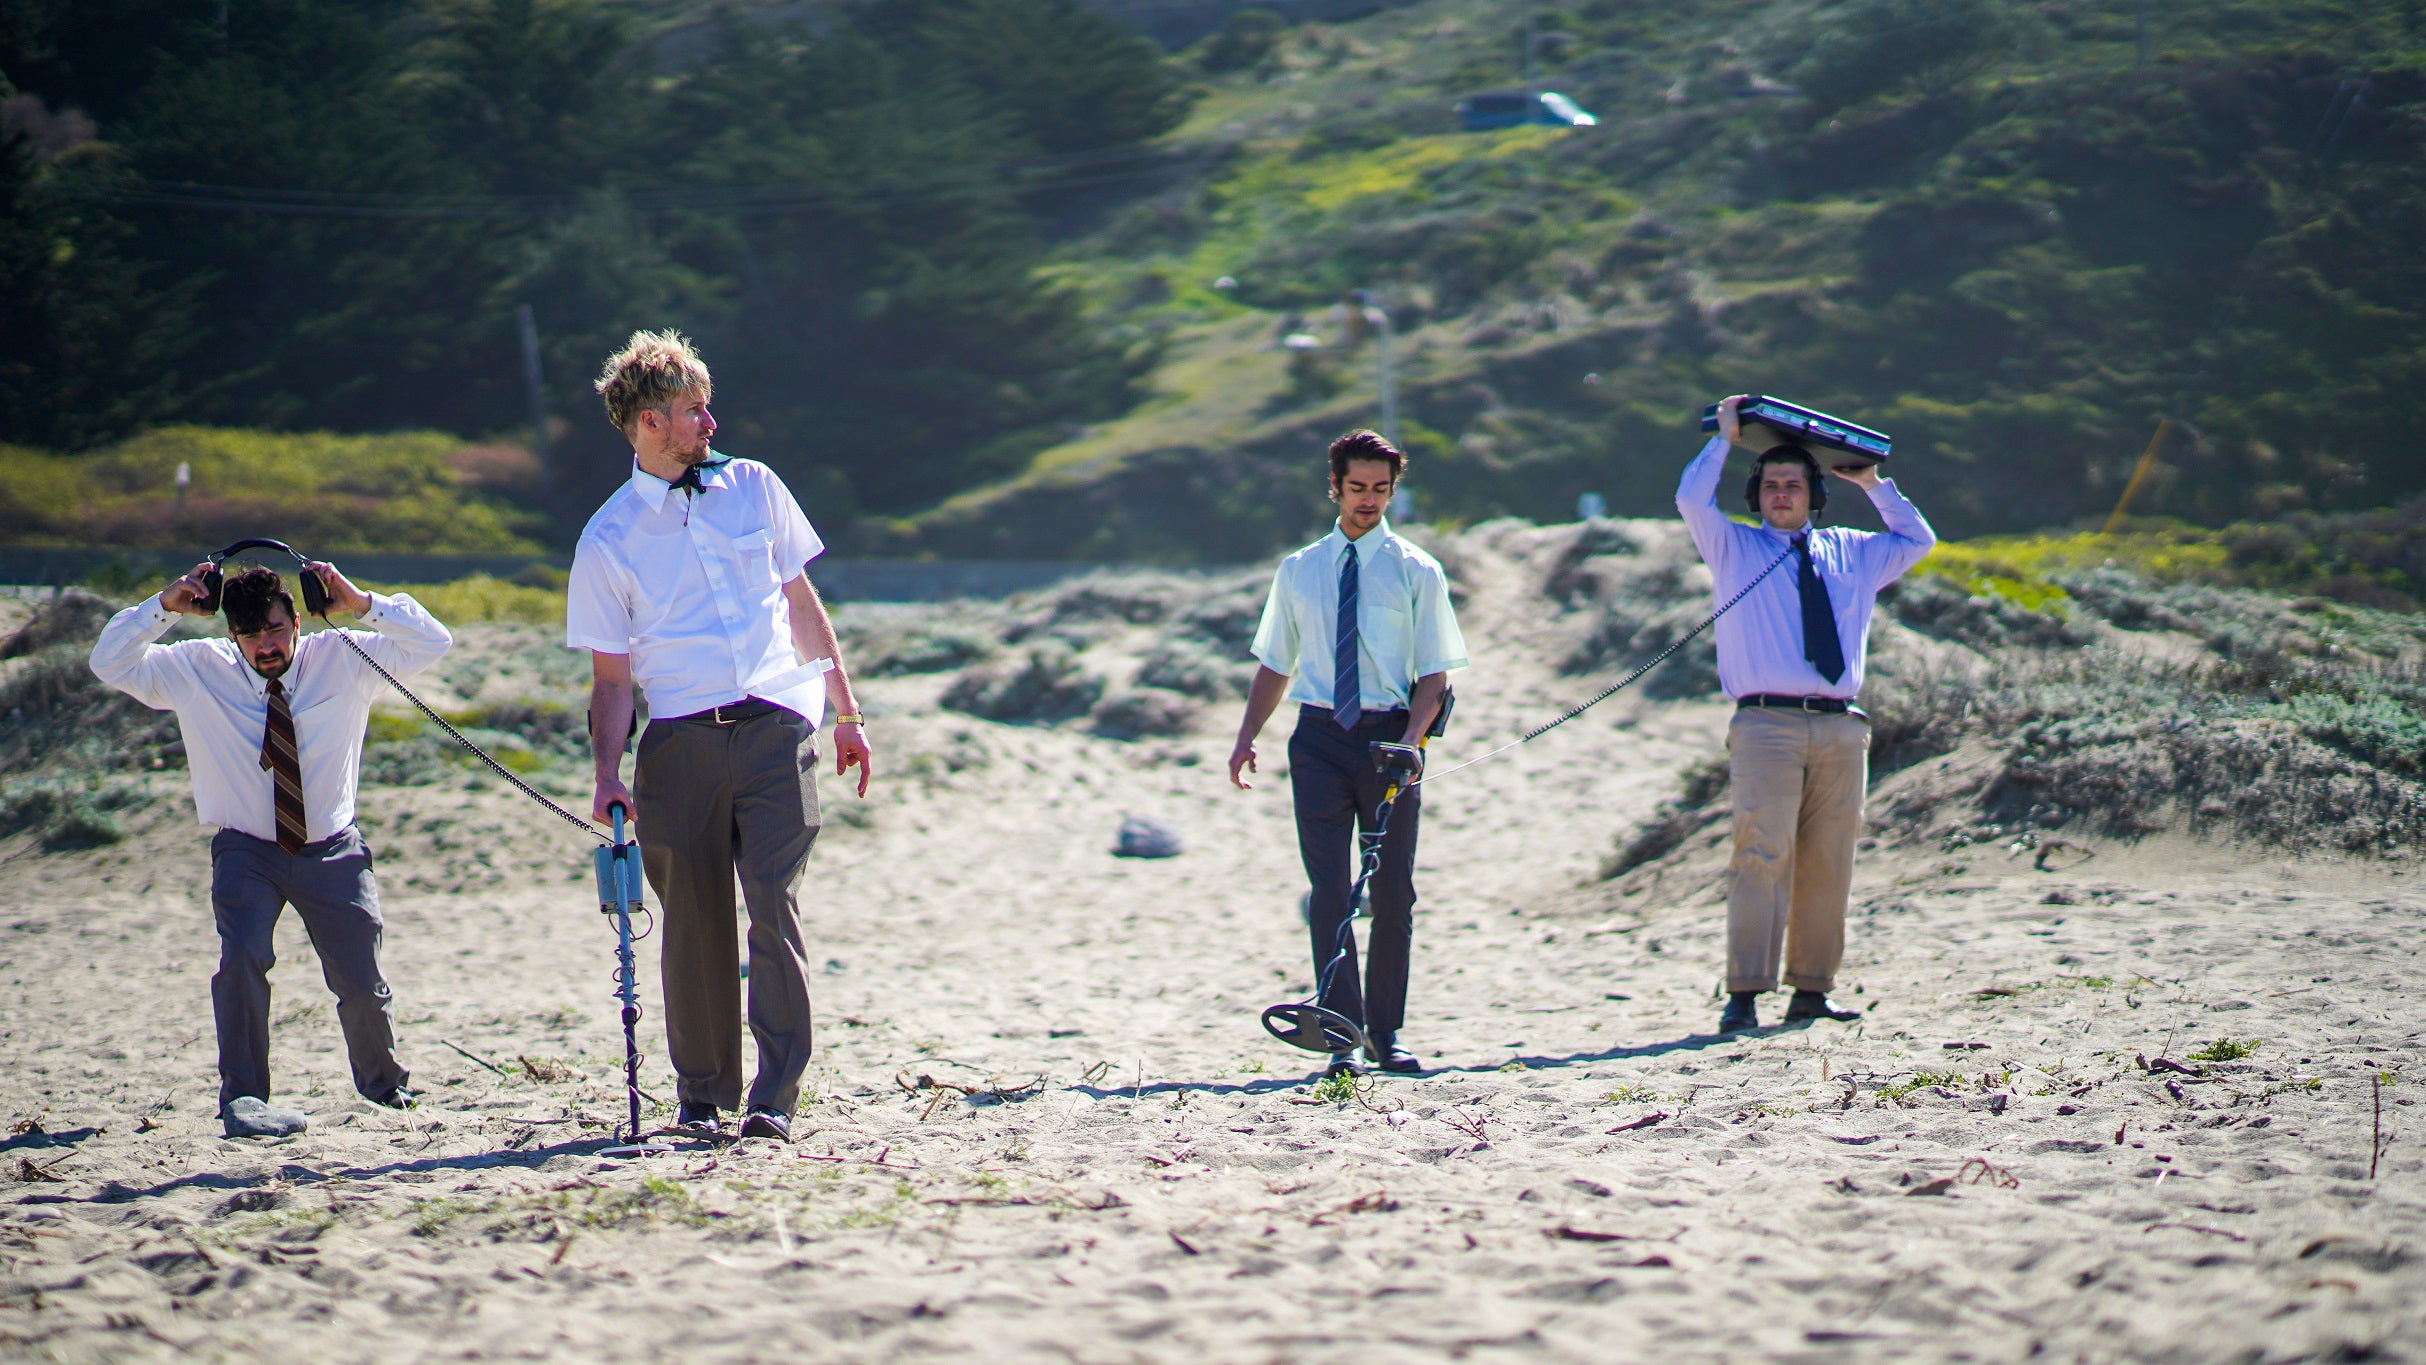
(1791, 655)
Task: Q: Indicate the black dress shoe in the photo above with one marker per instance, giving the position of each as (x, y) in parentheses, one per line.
(1817, 1005)
(1397, 1060)
(398, 1098)
(698, 1116)
(1348, 1063)
(1741, 1015)
(766, 1123)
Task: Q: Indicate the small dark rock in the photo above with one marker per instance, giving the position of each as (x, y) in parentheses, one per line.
(1142, 837)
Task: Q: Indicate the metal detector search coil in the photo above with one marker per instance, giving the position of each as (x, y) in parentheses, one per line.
(1788, 425)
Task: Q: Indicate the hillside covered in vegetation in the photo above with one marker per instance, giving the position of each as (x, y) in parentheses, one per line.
(997, 277)
(1984, 227)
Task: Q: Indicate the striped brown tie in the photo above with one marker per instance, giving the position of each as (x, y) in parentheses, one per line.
(279, 756)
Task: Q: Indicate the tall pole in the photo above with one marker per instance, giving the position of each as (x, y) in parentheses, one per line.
(1533, 42)
(529, 325)
(1389, 376)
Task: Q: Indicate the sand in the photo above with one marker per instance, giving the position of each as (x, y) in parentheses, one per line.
(2014, 1153)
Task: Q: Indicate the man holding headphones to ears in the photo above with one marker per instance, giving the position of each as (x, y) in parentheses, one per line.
(1798, 750)
(273, 722)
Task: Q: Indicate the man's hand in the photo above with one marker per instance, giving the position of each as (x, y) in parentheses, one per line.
(343, 596)
(1862, 476)
(180, 596)
(851, 751)
(612, 792)
(1729, 424)
(1242, 755)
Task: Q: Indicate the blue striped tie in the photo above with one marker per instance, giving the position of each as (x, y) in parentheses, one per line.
(1347, 706)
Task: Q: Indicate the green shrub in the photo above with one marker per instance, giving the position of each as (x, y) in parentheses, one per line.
(326, 493)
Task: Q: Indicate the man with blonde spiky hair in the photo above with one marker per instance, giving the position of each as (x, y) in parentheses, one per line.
(690, 585)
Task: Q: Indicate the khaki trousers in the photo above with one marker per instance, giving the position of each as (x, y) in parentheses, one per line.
(720, 803)
(1799, 779)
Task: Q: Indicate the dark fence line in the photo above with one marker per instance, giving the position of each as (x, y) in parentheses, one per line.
(841, 580)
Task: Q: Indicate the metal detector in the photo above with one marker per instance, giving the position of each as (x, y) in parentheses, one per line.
(619, 895)
(1308, 1023)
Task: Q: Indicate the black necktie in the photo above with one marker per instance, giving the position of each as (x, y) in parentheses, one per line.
(1820, 644)
(690, 476)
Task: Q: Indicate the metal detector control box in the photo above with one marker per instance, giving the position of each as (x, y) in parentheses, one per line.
(618, 878)
(1786, 424)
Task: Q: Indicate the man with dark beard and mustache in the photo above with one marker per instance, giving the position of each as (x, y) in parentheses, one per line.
(273, 722)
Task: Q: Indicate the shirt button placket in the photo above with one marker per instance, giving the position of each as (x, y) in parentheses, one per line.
(719, 585)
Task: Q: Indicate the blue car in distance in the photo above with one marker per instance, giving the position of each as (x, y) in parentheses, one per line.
(1515, 108)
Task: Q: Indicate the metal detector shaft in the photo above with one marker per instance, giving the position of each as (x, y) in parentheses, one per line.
(619, 895)
(1368, 863)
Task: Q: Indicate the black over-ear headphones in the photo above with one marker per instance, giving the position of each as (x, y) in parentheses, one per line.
(1810, 462)
(315, 592)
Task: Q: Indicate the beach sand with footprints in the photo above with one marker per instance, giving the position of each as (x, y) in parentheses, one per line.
(2118, 1092)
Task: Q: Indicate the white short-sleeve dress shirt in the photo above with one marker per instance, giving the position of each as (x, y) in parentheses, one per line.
(1405, 626)
(1760, 642)
(222, 706)
(690, 585)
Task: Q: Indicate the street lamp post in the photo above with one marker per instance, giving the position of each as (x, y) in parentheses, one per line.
(1360, 309)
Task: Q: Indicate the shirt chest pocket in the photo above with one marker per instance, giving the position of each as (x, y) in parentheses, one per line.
(1388, 618)
(753, 559)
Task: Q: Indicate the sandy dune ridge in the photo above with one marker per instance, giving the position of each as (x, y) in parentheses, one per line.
(1048, 1127)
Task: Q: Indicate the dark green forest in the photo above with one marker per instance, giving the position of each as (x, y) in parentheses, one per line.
(309, 214)
(1001, 277)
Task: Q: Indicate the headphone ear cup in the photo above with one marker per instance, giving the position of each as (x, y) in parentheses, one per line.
(208, 602)
(315, 593)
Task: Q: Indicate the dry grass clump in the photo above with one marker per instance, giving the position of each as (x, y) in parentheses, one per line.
(2326, 756)
(1638, 607)
(2302, 726)
(71, 741)
(1689, 812)
(1041, 683)
(920, 648)
(1191, 633)
(1942, 609)
(75, 616)
(1141, 712)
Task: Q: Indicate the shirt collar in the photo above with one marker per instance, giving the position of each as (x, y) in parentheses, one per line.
(653, 490)
(1339, 542)
(261, 685)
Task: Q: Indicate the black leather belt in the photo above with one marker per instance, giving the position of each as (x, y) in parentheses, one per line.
(1826, 706)
(1397, 717)
(731, 713)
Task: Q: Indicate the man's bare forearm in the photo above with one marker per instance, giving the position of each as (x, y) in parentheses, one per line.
(814, 637)
(1263, 698)
(1424, 704)
(610, 725)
